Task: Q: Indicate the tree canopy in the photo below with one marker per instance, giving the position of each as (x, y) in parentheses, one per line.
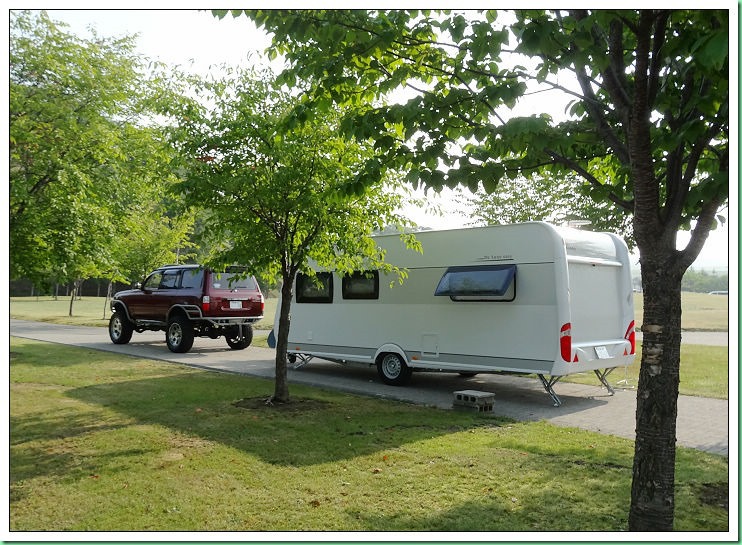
(463, 75)
(84, 150)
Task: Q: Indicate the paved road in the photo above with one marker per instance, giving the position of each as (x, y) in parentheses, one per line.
(702, 423)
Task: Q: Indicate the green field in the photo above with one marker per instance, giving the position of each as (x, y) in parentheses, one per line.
(701, 311)
(104, 442)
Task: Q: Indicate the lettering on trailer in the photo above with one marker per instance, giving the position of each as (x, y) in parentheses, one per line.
(483, 258)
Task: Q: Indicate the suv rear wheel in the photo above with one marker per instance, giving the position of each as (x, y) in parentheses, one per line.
(119, 328)
(234, 340)
(179, 335)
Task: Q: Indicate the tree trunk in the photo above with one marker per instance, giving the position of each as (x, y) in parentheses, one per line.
(653, 485)
(75, 288)
(109, 293)
(281, 393)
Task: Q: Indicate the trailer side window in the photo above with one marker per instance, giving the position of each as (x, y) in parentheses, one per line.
(361, 285)
(478, 283)
(314, 289)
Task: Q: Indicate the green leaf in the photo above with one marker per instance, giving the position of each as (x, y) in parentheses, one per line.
(713, 50)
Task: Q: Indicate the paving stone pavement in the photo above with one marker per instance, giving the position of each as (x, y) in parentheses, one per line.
(702, 423)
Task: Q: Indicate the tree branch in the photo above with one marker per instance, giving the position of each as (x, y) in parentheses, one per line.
(660, 28)
(576, 167)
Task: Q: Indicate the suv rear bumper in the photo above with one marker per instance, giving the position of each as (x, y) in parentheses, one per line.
(194, 313)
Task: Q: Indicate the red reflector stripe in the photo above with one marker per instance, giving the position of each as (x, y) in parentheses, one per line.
(565, 342)
(631, 336)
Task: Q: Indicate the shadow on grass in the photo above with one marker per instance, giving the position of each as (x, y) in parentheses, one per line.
(62, 424)
(534, 511)
(318, 427)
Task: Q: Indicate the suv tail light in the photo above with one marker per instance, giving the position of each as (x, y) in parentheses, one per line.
(205, 303)
(262, 303)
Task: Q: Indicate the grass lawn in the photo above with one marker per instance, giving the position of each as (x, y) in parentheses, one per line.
(701, 311)
(106, 442)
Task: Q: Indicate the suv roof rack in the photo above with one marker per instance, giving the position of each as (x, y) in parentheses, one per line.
(179, 265)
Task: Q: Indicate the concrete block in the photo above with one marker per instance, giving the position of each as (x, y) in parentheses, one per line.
(475, 400)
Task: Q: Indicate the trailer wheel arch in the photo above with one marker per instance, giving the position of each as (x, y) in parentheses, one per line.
(392, 367)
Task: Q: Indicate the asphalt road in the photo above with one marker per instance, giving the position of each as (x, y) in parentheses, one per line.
(702, 423)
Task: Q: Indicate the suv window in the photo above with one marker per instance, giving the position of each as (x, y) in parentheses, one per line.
(192, 278)
(231, 281)
(169, 280)
(153, 282)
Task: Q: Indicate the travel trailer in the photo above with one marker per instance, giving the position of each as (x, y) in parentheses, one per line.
(524, 298)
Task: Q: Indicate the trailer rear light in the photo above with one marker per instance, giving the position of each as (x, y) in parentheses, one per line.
(205, 303)
(565, 342)
(631, 336)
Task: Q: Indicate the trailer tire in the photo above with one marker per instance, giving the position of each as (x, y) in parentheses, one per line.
(392, 369)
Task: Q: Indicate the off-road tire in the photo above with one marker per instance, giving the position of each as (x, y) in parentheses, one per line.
(119, 328)
(179, 334)
(237, 343)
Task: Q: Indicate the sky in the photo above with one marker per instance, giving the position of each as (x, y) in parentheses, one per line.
(198, 41)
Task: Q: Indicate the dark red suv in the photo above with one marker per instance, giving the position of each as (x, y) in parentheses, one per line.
(188, 301)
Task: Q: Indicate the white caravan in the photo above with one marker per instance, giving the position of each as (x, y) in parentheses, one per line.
(523, 298)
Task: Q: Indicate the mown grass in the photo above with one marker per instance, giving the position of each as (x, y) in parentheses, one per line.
(105, 442)
(701, 311)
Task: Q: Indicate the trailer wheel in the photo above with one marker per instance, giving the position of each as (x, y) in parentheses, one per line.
(393, 369)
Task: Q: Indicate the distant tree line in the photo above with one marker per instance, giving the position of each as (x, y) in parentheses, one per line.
(704, 282)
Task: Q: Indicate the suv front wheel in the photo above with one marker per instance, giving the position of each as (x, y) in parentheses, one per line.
(119, 328)
(179, 335)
